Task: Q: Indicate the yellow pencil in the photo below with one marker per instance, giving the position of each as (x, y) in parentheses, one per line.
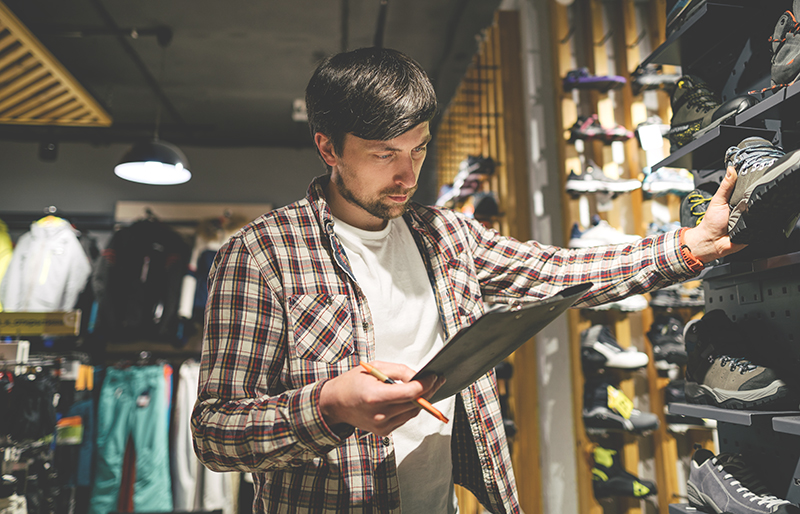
(425, 404)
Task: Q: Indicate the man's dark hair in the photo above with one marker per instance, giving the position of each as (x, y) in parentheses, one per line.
(373, 93)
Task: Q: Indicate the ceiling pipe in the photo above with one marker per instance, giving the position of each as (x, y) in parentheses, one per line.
(149, 78)
(379, 30)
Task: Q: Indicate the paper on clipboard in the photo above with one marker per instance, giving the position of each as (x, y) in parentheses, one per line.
(478, 348)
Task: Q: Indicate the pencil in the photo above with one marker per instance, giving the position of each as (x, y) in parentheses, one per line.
(425, 404)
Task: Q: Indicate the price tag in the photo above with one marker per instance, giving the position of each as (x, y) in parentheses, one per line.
(617, 401)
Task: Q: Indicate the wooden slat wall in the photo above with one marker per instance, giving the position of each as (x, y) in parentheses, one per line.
(486, 118)
(35, 89)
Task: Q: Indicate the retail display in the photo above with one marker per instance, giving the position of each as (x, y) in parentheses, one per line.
(651, 77)
(48, 269)
(785, 48)
(764, 203)
(667, 180)
(609, 478)
(600, 349)
(632, 303)
(607, 408)
(582, 79)
(678, 11)
(599, 234)
(594, 180)
(723, 370)
(589, 128)
(666, 338)
(696, 109)
(471, 172)
(724, 483)
(684, 294)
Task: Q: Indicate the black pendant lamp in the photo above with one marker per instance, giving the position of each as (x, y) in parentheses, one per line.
(154, 161)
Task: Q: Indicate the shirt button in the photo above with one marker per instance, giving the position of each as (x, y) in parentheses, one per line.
(365, 326)
(386, 441)
(329, 301)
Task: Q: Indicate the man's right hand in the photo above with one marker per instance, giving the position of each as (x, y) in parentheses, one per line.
(358, 399)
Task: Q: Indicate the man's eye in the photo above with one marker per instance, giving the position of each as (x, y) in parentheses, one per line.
(384, 156)
(420, 149)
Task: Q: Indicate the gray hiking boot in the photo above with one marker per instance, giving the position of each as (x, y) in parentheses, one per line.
(785, 42)
(719, 373)
(726, 484)
(766, 199)
(696, 110)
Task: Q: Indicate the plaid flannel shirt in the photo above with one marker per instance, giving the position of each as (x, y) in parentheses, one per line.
(285, 313)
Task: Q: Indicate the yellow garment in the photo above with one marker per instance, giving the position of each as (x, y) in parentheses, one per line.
(6, 249)
(85, 380)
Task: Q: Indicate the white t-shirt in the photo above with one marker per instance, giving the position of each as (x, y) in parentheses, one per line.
(392, 275)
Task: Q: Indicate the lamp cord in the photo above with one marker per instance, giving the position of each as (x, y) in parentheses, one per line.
(161, 80)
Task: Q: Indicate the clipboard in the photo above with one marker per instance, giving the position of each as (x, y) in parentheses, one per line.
(479, 347)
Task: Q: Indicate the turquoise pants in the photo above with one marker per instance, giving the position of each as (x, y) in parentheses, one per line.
(133, 403)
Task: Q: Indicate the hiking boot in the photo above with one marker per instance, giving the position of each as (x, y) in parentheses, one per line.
(724, 483)
(606, 408)
(719, 373)
(590, 128)
(695, 205)
(696, 110)
(609, 478)
(785, 42)
(600, 349)
(582, 79)
(764, 202)
(594, 180)
(666, 337)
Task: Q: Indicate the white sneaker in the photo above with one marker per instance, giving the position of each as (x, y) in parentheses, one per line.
(601, 234)
(599, 349)
(633, 303)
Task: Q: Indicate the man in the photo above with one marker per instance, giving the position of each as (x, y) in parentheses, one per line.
(356, 272)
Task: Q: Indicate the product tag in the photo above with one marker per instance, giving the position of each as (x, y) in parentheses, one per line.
(617, 401)
(143, 400)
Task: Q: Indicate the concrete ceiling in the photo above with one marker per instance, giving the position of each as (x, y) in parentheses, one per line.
(231, 68)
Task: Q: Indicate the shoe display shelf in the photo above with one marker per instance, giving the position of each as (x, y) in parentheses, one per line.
(706, 31)
(682, 508)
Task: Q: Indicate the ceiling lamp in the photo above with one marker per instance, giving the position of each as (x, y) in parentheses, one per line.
(154, 162)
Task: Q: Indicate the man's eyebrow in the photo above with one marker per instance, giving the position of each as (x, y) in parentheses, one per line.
(384, 146)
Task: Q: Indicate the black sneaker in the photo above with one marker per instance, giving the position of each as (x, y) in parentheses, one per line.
(684, 294)
(606, 408)
(590, 128)
(696, 110)
(766, 199)
(599, 349)
(785, 41)
(718, 372)
(594, 180)
(695, 204)
(609, 478)
(666, 337)
(725, 483)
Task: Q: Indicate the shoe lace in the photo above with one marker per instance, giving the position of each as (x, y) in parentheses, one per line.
(739, 473)
(696, 203)
(754, 157)
(701, 98)
(737, 362)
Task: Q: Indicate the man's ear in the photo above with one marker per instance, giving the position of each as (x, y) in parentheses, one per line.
(325, 147)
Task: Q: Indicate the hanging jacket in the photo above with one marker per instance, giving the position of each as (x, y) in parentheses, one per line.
(137, 283)
(48, 269)
(6, 250)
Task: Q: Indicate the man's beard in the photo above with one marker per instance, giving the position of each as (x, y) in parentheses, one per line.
(376, 207)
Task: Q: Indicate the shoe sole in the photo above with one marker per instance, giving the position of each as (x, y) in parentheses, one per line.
(769, 208)
(701, 394)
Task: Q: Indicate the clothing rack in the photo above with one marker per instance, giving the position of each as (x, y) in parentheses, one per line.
(18, 220)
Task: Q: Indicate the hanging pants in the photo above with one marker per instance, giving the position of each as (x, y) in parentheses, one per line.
(133, 404)
(195, 487)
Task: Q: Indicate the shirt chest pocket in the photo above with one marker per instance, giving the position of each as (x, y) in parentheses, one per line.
(322, 327)
(465, 286)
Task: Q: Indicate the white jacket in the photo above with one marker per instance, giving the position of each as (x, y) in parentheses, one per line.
(48, 269)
